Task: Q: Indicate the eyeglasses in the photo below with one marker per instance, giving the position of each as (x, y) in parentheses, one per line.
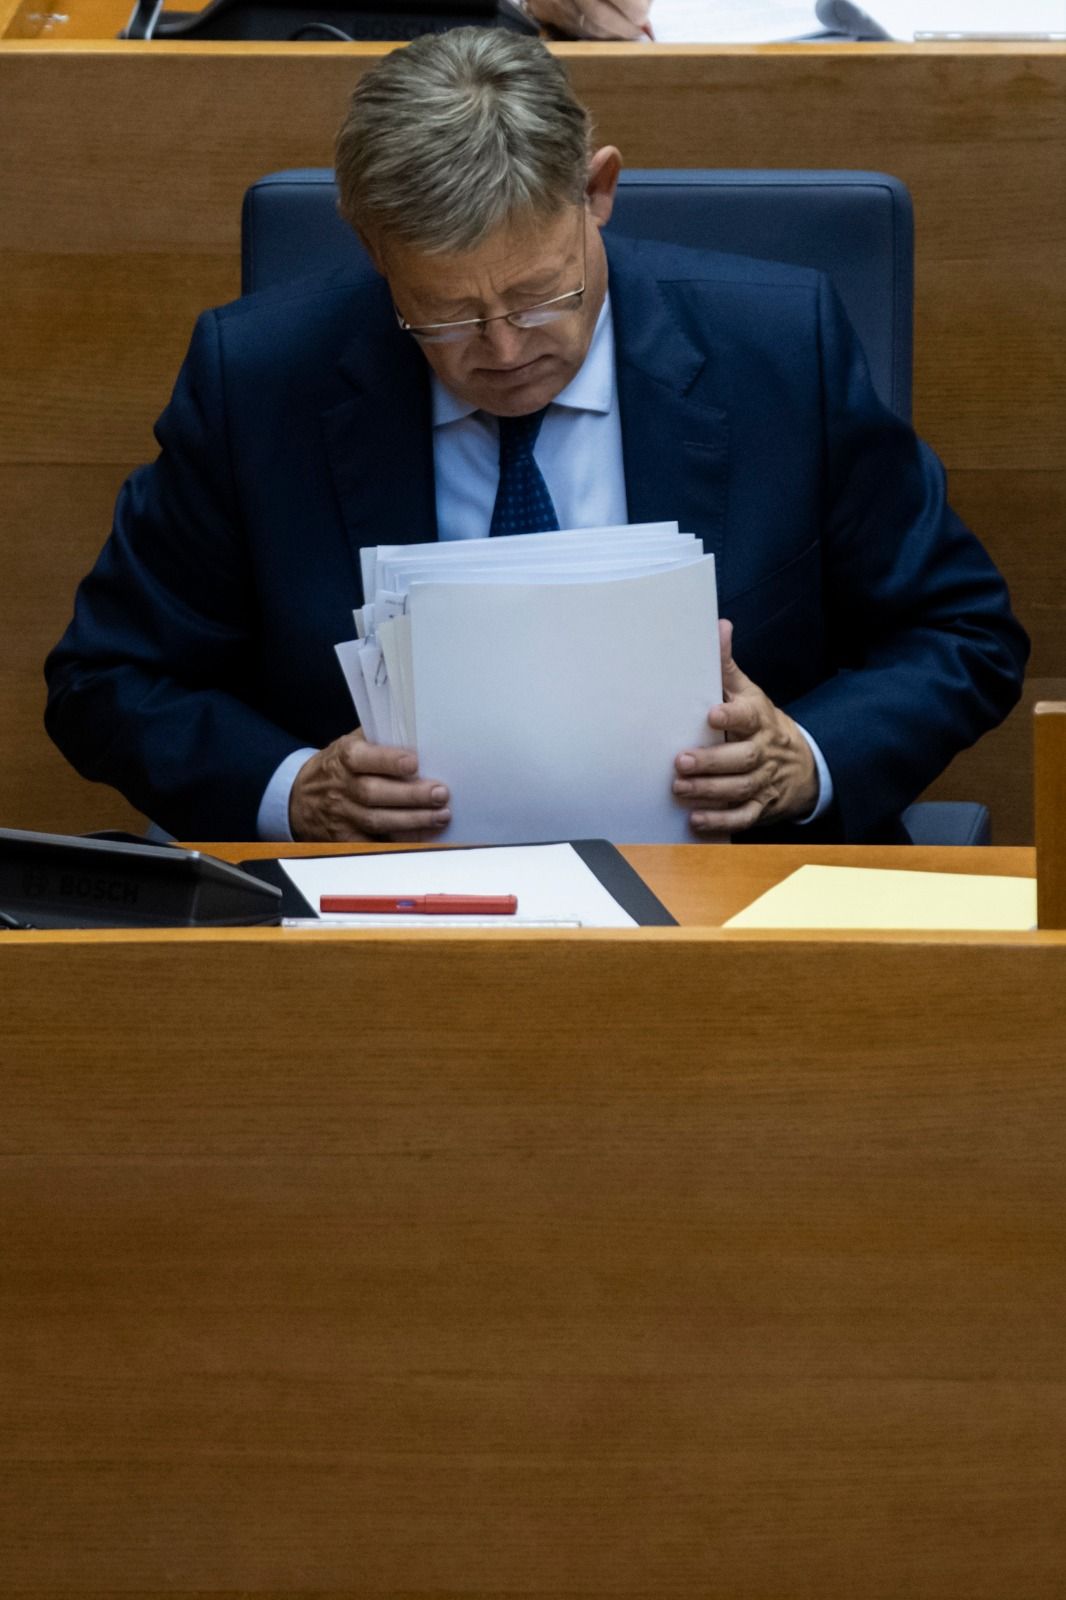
(537, 316)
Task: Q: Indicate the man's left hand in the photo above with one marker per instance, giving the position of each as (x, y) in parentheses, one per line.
(763, 772)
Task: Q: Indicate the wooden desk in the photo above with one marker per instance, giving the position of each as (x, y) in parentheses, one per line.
(119, 214)
(668, 1263)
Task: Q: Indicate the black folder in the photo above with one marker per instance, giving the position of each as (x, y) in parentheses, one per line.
(326, 20)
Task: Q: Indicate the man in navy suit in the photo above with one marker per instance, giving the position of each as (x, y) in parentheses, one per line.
(501, 364)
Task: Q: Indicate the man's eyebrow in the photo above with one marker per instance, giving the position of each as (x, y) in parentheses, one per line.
(534, 284)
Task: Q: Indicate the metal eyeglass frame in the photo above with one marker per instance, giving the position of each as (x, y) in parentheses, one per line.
(528, 317)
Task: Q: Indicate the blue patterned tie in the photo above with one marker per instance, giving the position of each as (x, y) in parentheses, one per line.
(523, 504)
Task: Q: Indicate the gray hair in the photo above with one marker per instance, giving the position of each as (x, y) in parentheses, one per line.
(458, 133)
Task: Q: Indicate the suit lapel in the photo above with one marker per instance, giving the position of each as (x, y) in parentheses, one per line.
(674, 427)
(379, 441)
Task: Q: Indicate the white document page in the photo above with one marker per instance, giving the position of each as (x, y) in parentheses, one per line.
(395, 638)
(376, 679)
(551, 882)
(556, 711)
(352, 667)
(732, 21)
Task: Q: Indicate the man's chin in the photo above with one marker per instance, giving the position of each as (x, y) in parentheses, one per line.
(517, 393)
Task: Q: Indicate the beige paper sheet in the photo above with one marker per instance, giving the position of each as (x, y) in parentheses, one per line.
(871, 897)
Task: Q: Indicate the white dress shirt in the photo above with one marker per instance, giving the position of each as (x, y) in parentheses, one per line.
(579, 453)
(578, 450)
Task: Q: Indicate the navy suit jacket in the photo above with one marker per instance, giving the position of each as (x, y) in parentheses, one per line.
(201, 649)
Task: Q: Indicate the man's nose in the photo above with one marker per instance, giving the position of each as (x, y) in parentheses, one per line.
(505, 341)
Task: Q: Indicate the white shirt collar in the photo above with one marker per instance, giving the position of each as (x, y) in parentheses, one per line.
(590, 389)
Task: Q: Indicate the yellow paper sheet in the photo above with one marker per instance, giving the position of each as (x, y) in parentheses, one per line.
(871, 897)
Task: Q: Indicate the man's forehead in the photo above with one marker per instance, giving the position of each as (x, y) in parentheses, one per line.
(518, 249)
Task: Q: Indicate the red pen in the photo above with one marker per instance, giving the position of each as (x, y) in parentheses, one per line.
(456, 905)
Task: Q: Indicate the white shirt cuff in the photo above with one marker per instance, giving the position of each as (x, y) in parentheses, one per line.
(825, 782)
(272, 821)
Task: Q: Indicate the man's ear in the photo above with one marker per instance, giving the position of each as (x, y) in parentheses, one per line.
(369, 245)
(604, 170)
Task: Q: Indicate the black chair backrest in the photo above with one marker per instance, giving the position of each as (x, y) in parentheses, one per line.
(856, 226)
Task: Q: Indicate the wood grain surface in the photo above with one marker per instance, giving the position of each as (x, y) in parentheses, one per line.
(704, 885)
(119, 222)
(561, 1266)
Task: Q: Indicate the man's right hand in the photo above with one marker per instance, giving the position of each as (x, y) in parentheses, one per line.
(356, 790)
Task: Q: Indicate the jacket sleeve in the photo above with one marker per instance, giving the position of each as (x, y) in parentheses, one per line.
(928, 653)
(152, 688)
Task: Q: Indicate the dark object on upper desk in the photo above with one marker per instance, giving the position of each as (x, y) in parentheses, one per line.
(310, 20)
(55, 880)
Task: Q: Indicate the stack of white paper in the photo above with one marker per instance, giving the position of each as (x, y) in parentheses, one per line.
(548, 679)
(732, 21)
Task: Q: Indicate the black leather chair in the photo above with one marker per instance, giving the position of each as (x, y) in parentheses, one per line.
(857, 226)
